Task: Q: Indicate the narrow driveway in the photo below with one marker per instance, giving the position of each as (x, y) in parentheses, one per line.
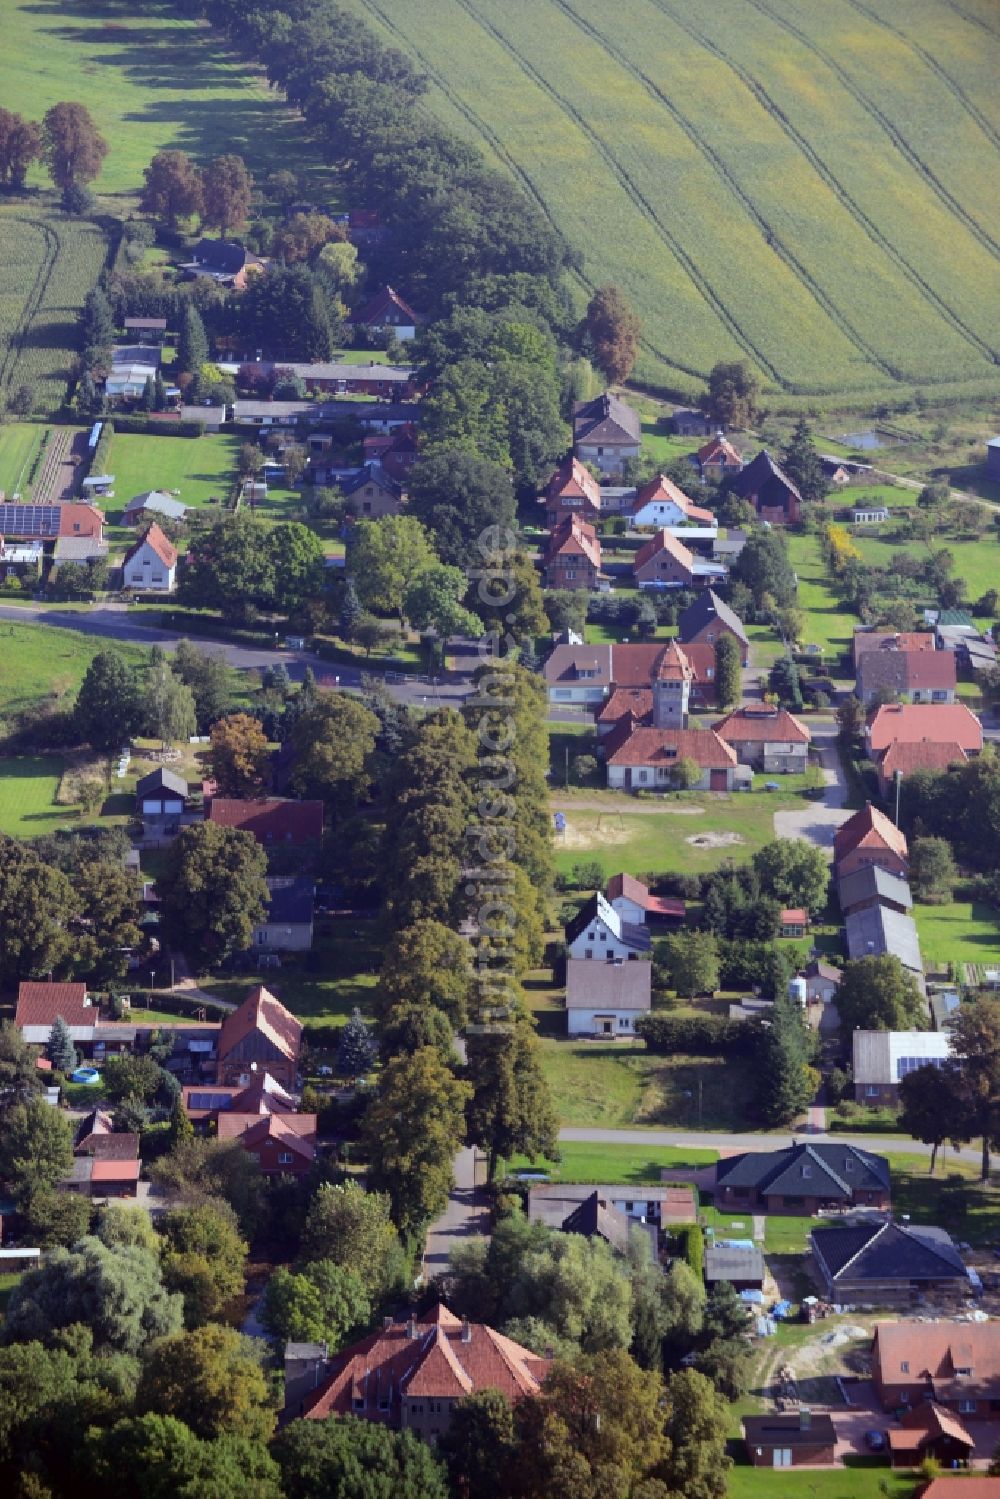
(819, 821)
(465, 1216)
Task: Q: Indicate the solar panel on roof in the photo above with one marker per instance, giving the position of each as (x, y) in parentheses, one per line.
(29, 520)
(207, 1100)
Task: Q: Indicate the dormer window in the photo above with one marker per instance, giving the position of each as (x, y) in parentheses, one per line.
(965, 1371)
(848, 1164)
(807, 1171)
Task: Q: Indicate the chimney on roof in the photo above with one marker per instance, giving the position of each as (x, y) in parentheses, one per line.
(466, 1330)
(386, 1323)
(805, 1418)
(411, 1328)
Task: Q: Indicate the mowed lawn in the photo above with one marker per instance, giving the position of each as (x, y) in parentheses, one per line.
(873, 1480)
(28, 786)
(609, 827)
(19, 442)
(201, 468)
(151, 80)
(322, 987)
(978, 562)
(621, 1086)
(828, 622)
(582, 1162)
(45, 664)
(961, 932)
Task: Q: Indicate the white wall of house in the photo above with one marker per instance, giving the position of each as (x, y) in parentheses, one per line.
(609, 458)
(148, 572)
(283, 936)
(604, 1022)
(652, 777)
(598, 943)
(665, 513)
(629, 910)
(583, 692)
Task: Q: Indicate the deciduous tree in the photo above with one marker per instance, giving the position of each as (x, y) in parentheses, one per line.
(226, 189)
(933, 871)
(732, 395)
(36, 1147)
(239, 755)
(933, 1108)
(74, 147)
(511, 1110)
(21, 143)
(159, 1457)
(173, 187)
(109, 708)
(37, 905)
(170, 709)
(412, 1132)
(693, 962)
(212, 1380)
(614, 331)
(976, 1050)
(351, 1458)
(204, 1259)
(209, 680)
(426, 964)
(323, 1303)
(793, 872)
(334, 741)
(387, 555)
(458, 495)
(213, 890)
(877, 994)
(728, 675)
(353, 1228)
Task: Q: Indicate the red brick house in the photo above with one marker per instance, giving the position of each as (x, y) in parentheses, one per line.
(803, 1179)
(408, 1375)
(396, 451)
(770, 491)
(387, 309)
(271, 820)
(766, 737)
(573, 558)
(572, 490)
(930, 1431)
(954, 1364)
(281, 1144)
(801, 1439)
(665, 562)
(717, 459)
(204, 1102)
(870, 838)
(260, 1037)
(903, 757)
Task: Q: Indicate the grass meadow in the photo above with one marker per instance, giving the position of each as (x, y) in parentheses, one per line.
(19, 443)
(43, 664)
(201, 468)
(582, 1162)
(824, 138)
(28, 786)
(620, 1086)
(961, 932)
(48, 264)
(152, 81)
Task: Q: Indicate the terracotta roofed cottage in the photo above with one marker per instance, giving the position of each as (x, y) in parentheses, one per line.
(261, 1036)
(768, 738)
(387, 309)
(572, 490)
(408, 1375)
(39, 1003)
(948, 723)
(633, 902)
(271, 820)
(955, 1364)
(662, 503)
(904, 757)
(909, 676)
(647, 758)
(870, 838)
(716, 459)
(573, 557)
(665, 562)
(150, 564)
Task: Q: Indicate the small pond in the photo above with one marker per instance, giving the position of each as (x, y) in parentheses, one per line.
(875, 437)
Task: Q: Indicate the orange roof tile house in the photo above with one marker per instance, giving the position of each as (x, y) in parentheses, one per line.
(870, 838)
(909, 723)
(572, 490)
(954, 1364)
(661, 503)
(408, 1375)
(261, 1036)
(271, 820)
(573, 557)
(768, 738)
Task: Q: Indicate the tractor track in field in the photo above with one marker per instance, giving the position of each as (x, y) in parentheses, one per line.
(32, 302)
(722, 170)
(871, 108)
(826, 174)
(490, 135)
(930, 61)
(971, 19)
(635, 193)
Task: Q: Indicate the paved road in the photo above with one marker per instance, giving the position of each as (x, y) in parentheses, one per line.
(707, 1140)
(465, 1216)
(819, 821)
(115, 623)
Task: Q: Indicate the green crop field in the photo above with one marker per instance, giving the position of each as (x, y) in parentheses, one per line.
(810, 187)
(48, 264)
(152, 81)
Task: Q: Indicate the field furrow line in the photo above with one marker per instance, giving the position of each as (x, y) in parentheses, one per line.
(928, 58)
(31, 303)
(827, 175)
(638, 197)
(718, 164)
(490, 135)
(972, 20)
(872, 109)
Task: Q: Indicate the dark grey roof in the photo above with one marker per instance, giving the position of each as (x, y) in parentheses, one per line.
(760, 472)
(567, 662)
(706, 607)
(291, 902)
(597, 1218)
(725, 1262)
(593, 985)
(834, 1170)
(372, 473)
(219, 255)
(871, 882)
(878, 930)
(606, 419)
(789, 1431)
(598, 909)
(887, 1251)
(161, 780)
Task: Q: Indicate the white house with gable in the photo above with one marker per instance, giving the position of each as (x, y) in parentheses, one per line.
(598, 932)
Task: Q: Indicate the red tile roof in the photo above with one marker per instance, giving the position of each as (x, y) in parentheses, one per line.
(925, 1423)
(664, 489)
(293, 1132)
(637, 665)
(635, 700)
(261, 1012)
(868, 828)
(435, 1357)
(906, 756)
(632, 889)
(383, 302)
(762, 725)
(39, 1004)
(719, 450)
(114, 1171)
(948, 723)
(76, 519)
(663, 541)
(872, 640)
(271, 820)
(630, 745)
(157, 539)
(794, 916)
(573, 480)
(574, 537)
(933, 1352)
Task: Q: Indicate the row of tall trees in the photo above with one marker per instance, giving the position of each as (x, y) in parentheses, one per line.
(67, 140)
(176, 188)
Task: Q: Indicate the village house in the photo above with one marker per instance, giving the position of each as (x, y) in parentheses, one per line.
(793, 921)
(222, 261)
(692, 423)
(665, 562)
(409, 1374)
(381, 382)
(803, 1179)
(607, 433)
(872, 886)
(150, 564)
(373, 492)
(603, 999)
(877, 930)
(954, 1364)
(662, 1206)
(597, 932)
(572, 490)
(769, 490)
(906, 676)
(38, 1004)
(204, 1102)
(638, 757)
(161, 800)
(740, 1265)
(870, 838)
(597, 1218)
(148, 329)
(396, 451)
(709, 617)
(881, 1059)
(661, 504)
(910, 723)
(281, 1144)
(716, 460)
(633, 902)
(385, 310)
(801, 1439)
(259, 1036)
(105, 1176)
(766, 737)
(866, 639)
(153, 502)
(578, 675)
(573, 557)
(71, 518)
(885, 1264)
(822, 980)
(288, 925)
(930, 1433)
(905, 757)
(272, 820)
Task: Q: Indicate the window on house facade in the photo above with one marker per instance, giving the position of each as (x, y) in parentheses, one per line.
(285, 1158)
(966, 1407)
(904, 1367)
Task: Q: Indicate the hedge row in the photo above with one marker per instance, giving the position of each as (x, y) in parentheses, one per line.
(145, 426)
(696, 1035)
(691, 1247)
